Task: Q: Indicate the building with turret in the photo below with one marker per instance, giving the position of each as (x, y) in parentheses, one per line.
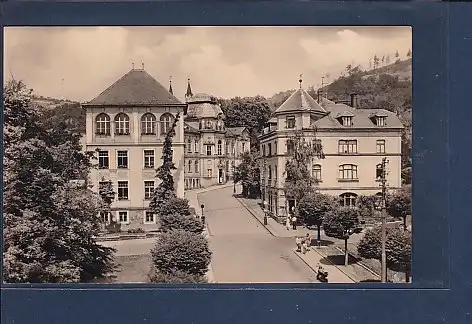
(353, 141)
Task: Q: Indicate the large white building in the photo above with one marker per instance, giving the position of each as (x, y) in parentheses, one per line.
(127, 124)
(354, 141)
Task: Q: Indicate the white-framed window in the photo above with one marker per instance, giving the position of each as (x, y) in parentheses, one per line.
(209, 173)
(149, 217)
(123, 190)
(347, 146)
(348, 199)
(381, 120)
(121, 124)
(317, 172)
(348, 172)
(148, 159)
(380, 146)
(148, 124)
(346, 120)
(197, 145)
(189, 168)
(290, 147)
(244, 147)
(148, 189)
(290, 120)
(196, 166)
(105, 217)
(166, 123)
(227, 166)
(233, 151)
(122, 159)
(269, 146)
(219, 147)
(226, 147)
(102, 122)
(208, 149)
(189, 146)
(123, 217)
(103, 160)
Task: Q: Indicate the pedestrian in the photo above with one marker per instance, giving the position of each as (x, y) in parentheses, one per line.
(307, 242)
(287, 223)
(298, 241)
(294, 222)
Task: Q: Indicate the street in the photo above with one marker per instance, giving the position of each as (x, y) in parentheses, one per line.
(243, 250)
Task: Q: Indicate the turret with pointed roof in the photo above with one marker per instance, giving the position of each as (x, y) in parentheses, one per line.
(189, 93)
(170, 86)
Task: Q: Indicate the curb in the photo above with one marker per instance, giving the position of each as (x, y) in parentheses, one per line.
(126, 237)
(313, 249)
(257, 218)
(362, 265)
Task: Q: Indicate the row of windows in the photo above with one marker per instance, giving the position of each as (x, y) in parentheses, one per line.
(122, 124)
(344, 120)
(122, 159)
(192, 165)
(123, 189)
(122, 216)
(192, 183)
(269, 149)
(344, 146)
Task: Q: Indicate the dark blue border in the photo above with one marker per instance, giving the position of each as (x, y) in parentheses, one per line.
(442, 43)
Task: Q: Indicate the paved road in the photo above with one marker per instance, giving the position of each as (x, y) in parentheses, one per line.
(243, 250)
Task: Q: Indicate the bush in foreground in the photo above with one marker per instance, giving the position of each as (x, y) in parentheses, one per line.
(174, 222)
(178, 250)
(176, 277)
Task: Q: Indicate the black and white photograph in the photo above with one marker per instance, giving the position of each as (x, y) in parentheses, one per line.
(199, 155)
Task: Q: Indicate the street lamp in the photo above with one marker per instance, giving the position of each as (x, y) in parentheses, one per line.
(265, 212)
(203, 217)
(234, 168)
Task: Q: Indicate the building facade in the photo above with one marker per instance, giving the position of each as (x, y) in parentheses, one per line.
(353, 142)
(126, 125)
(212, 150)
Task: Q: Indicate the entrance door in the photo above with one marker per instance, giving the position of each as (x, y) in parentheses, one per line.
(220, 176)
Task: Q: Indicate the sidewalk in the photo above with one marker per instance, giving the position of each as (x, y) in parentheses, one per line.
(192, 196)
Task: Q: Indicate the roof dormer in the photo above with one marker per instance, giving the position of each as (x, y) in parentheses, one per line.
(345, 118)
(379, 118)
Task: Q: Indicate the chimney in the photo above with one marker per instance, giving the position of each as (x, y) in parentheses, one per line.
(320, 95)
(354, 103)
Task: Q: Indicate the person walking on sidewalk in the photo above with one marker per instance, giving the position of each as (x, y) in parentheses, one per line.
(294, 222)
(287, 223)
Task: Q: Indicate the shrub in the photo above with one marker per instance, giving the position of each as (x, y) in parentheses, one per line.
(113, 227)
(187, 223)
(175, 277)
(135, 230)
(183, 251)
(176, 206)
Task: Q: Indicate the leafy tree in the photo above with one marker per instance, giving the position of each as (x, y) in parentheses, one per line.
(397, 248)
(176, 277)
(387, 59)
(49, 223)
(397, 55)
(399, 204)
(299, 180)
(341, 224)
(376, 61)
(169, 222)
(408, 54)
(166, 188)
(107, 193)
(179, 250)
(313, 207)
(248, 174)
(367, 206)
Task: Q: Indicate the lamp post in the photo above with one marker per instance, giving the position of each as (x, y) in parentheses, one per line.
(383, 184)
(234, 168)
(265, 212)
(202, 206)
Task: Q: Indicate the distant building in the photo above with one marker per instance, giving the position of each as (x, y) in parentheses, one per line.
(212, 150)
(127, 124)
(354, 141)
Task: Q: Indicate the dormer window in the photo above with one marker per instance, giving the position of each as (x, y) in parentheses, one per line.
(290, 121)
(381, 120)
(345, 118)
(346, 121)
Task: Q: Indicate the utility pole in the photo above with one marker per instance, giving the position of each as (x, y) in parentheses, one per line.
(383, 183)
(234, 167)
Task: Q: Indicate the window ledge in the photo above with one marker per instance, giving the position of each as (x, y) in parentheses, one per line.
(348, 180)
(149, 223)
(122, 168)
(353, 153)
(122, 199)
(148, 134)
(122, 134)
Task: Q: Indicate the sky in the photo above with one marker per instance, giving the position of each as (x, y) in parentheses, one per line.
(78, 63)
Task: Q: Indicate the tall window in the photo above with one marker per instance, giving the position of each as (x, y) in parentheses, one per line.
(290, 147)
(197, 144)
(122, 159)
(347, 121)
(348, 172)
(166, 123)
(196, 166)
(122, 124)
(290, 120)
(380, 146)
(123, 217)
(270, 172)
(103, 124)
(270, 149)
(232, 148)
(148, 159)
(263, 150)
(317, 172)
(348, 199)
(189, 166)
(227, 166)
(149, 217)
(122, 190)
(208, 149)
(227, 147)
(209, 173)
(347, 146)
(381, 121)
(378, 172)
(244, 147)
(148, 189)
(275, 147)
(103, 160)
(219, 147)
(148, 124)
(189, 146)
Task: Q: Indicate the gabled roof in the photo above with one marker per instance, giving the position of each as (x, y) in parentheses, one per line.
(137, 87)
(191, 127)
(236, 131)
(300, 100)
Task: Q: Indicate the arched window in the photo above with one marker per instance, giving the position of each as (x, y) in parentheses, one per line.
(316, 172)
(148, 124)
(122, 124)
(166, 123)
(189, 166)
(219, 147)
(348, 172)
(103, 124)
(378, 172)
(348, 199)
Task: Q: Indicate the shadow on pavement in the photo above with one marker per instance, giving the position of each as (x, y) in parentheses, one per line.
(314, 242)
(337, 260)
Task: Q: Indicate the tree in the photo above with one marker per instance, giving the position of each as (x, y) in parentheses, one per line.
(179, 250)
(178, 206)
(176, 277)
(248, 174)
(107, 193)
(367, 206)
(341, 224)
(301, 153)
(172, 221)
(399, 204)
(397, 248)
(50, 224)
(376, 61)
(387, 59)
(313, 207)
(408, 54)
(166, 188)
(397, 55)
